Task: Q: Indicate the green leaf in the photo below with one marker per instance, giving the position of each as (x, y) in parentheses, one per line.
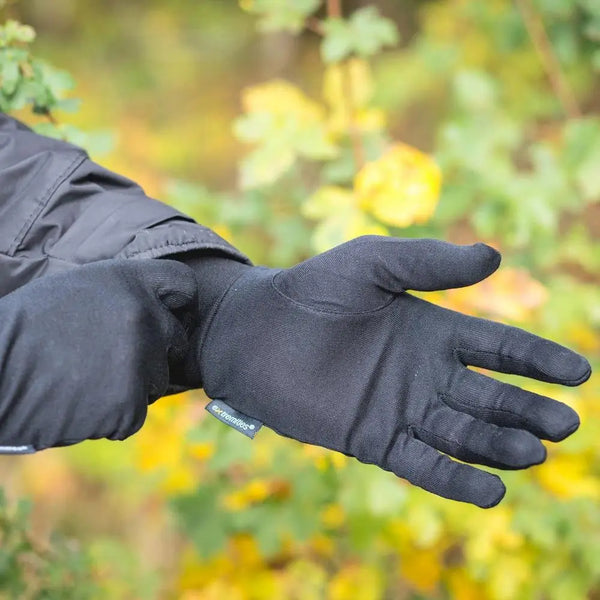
(9, 75)
(201, 518)
(69, 105)
(265, 165)
(581, 155)
(13, 31)
(372, 32)
(364, 34)
(56, 80)
(281, 14)
(337, 42)
(232, 448)
(475, 90)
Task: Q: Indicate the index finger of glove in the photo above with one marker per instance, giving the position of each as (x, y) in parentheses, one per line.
(506, 349)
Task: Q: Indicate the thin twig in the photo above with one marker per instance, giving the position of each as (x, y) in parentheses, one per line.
(334, 8)
(50, 116)
(358, 149)
(545, 51)
(314, 25)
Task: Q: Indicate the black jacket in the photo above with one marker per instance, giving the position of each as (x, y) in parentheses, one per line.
(59, 209)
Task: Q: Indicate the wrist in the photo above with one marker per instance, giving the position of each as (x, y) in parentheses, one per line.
(215, 273)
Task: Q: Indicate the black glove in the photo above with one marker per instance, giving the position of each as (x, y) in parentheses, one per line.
(334, 352)
(83, 353)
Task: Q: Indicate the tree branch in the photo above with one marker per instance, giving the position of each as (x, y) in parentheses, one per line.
(334, 8)
(545, 51)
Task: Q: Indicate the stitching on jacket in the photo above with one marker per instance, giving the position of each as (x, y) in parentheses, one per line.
(44, 200)
(162, 246)
(200, 245)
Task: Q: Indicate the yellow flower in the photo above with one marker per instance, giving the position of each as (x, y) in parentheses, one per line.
(236, 501)
(508, 294)
(323, 457)
(333, 515)
(348, 89)
(257, 490)
(322, 545)
(401, 188)
(356, 581)
(494, 535)
(461, 586)
(584, 337)
(278, 97)
(201, 450)
(569, 476)
(422, 568)
(254, 492)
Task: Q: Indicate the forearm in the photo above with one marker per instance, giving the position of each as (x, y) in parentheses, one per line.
(59, 209)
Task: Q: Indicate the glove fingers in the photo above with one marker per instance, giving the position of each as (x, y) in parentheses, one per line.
(437, 473)
(510, 406)
(173, 282)
(464, 437)
(512, 350)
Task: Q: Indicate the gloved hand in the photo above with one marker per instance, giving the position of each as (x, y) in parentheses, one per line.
(83, 353)
(335, 352)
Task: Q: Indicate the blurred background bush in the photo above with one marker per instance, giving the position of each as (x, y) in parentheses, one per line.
(290, 126)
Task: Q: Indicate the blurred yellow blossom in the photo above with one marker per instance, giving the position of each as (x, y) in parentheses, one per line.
(348, 89)
(461, 586)
(356, 581)
(323, 457)
(161, 447)
(279, 97)
(585, 337)
(491, 534)
(255, 491)
(569, 476)
(322, 545)
(511, 294)
(333, 515)
(201, 450)
(401, 188)
(507, 578)
(422, 568)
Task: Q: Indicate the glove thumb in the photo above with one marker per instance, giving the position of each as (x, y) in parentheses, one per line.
(362, 273)
(427, 265)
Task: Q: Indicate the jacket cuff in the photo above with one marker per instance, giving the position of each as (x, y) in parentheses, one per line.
(177, 236)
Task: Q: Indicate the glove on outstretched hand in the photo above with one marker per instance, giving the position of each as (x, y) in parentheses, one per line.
(84, 352)
(335, 352)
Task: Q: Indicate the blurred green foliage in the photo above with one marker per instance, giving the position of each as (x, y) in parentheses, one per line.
(334, 99)
(31, 571)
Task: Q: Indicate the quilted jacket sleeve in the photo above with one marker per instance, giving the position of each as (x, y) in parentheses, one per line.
(59, 209)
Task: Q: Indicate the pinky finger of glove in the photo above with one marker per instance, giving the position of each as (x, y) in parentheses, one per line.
(427, 468)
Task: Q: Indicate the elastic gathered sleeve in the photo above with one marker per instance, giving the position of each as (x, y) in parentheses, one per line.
(59, 209)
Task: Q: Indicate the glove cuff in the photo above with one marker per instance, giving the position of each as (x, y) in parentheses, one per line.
(215, 273)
